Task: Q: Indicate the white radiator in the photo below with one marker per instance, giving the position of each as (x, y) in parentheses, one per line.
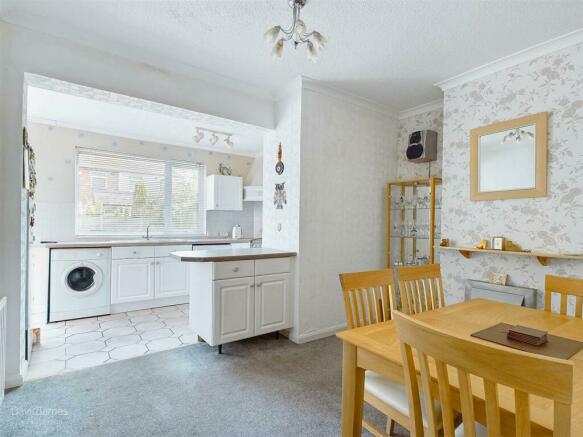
(2, 348)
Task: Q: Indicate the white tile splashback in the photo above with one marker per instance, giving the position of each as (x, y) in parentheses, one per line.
(56, 221)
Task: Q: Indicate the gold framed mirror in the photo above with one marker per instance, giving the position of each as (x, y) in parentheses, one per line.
(508, 160)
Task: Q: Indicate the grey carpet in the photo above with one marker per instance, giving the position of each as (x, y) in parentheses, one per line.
(258, 387)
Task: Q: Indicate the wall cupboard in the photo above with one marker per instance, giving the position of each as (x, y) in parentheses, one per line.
(224, 193)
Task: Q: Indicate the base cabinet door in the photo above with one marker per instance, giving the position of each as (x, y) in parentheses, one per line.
(171, 277)
(272, 303)
(233, 307)
(132, 280)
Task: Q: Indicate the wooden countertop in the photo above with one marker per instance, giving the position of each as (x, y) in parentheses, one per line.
(219, 255)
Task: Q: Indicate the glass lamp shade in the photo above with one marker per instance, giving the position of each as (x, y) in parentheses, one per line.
(300, 28)
(277, 51)
(213, 139)
(319, 40)
(199, 136)
(311, 51)
(229, 143)
(272, 34)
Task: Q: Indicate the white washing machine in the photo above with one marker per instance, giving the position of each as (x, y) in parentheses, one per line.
(79, 284)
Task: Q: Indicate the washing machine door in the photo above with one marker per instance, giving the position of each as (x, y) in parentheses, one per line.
(82, 279)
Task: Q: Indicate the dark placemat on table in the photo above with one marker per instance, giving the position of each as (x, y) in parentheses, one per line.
(556, 347)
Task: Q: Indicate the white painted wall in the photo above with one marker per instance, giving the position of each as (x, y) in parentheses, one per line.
(338, 151)
(282, 226)
(23, 51)
(55, 149)
(347, 156)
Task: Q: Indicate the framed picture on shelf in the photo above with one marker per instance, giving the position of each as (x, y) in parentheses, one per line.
(498, 243)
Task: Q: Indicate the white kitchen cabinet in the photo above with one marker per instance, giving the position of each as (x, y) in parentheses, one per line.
(234, 308)
(253, 193)
(272, 303)
(132, 280)
(147, 276)
(171, 278)
(233, 300)
(224, 193)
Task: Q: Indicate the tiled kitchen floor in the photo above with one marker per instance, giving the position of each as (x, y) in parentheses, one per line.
(81, 343)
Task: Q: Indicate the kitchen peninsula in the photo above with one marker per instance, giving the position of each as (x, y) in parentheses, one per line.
(238, 293)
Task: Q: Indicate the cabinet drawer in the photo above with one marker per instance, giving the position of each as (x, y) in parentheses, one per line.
(162, 251)
(132, 252)
(233, 269)
(272, 265)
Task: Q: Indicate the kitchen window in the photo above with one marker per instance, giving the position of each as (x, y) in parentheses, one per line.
(120, 195)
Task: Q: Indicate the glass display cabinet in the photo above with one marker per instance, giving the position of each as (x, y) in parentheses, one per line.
(413, 221)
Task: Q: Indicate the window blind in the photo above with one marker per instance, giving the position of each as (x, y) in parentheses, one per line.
(120, 195)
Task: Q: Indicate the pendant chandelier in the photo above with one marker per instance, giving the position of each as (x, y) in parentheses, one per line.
(518, 135)
(297, 33)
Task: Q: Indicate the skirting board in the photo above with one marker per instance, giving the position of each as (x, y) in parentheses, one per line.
(14, 380)
(313, 335)
(146, 304)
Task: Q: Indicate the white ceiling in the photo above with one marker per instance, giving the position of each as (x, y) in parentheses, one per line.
(390, 51)
(72, 111)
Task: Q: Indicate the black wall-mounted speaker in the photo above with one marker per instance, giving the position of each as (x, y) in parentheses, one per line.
(422, 146)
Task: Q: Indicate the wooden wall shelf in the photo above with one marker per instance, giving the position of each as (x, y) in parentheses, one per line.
(542, 257)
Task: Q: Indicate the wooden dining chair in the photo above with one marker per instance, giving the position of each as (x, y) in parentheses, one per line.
(565, 287)
(420, 288)
(369, 298)
(490, 365)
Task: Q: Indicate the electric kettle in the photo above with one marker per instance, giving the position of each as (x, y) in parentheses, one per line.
(237, 233)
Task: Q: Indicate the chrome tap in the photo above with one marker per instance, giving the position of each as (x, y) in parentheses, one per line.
(147, 236)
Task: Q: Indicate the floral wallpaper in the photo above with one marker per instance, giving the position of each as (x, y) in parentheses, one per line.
(432, 120)
(552, 83)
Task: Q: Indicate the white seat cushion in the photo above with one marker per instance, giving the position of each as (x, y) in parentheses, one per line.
(480, 431)
(394, 394)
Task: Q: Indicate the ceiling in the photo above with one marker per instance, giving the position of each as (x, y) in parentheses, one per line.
(389, 51)
(89, 114)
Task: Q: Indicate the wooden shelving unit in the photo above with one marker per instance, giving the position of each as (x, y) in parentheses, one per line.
(410, 187)
(542, 257)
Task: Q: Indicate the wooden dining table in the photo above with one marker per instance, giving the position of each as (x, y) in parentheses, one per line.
(376, 348)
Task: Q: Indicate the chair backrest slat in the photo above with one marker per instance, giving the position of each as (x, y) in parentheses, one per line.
(426, 385)
(361, 305)
(492, 410)
(467, 403)
(445, 399)
(565, 287)
(522, 413)
(369, 297)
(527, 374)
(421, 288)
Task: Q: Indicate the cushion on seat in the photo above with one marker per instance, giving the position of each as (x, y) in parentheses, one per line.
(481, 431)
(395, 394)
